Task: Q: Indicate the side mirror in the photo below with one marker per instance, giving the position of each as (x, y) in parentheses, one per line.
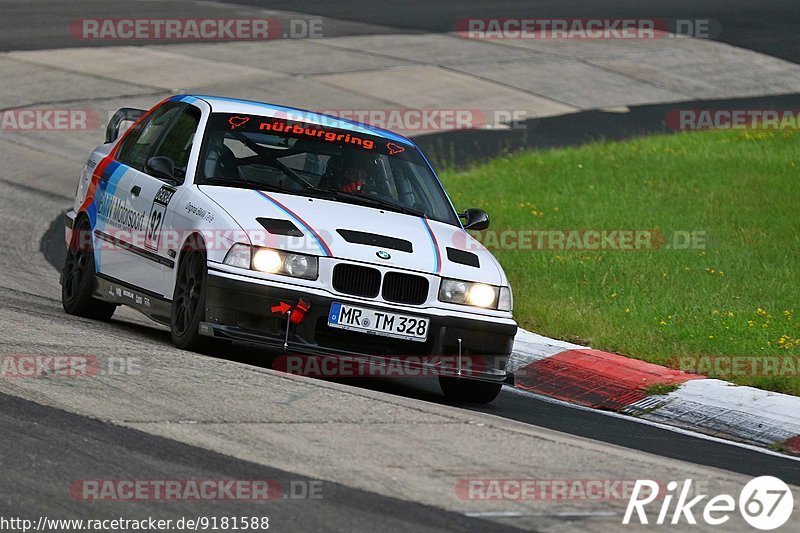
(476, 219)
(126, 114)
(162, 168)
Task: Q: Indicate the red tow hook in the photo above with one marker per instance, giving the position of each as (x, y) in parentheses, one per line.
(293, 315)
(299, 311)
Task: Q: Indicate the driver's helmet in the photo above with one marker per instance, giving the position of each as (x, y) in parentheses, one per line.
(352, 172)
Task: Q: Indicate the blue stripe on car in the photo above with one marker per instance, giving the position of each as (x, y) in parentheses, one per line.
(437, 264)
(114, 171)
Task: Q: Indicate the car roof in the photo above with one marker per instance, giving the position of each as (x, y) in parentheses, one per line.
(221, 104)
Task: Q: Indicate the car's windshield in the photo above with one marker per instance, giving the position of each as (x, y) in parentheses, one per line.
(274, 153)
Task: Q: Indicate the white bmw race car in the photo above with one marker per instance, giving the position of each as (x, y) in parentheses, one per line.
(243, 221)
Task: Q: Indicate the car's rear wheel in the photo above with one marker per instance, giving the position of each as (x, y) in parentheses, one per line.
(77, 281)
(468, 390)
(189, 300)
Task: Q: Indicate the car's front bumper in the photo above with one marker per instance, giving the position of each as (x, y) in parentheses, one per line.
(237, 309)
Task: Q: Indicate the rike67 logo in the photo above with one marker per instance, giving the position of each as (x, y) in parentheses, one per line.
(765, 503)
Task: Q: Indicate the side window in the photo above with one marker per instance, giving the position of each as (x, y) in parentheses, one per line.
(177, 143)
(137, 146)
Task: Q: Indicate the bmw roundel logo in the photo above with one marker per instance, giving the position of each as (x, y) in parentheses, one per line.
(383, 255)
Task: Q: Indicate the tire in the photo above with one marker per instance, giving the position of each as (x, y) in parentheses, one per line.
(77, 281)
(469, 391)
(189, 301)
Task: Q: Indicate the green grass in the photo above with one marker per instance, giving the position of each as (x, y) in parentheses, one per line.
(661, 388)
(734, 297)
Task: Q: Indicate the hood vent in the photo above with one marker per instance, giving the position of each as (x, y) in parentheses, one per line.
(463, 258)
(278, 226)
(373, 239)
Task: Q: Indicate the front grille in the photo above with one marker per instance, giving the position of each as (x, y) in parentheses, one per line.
(405, 288)
(356, 280)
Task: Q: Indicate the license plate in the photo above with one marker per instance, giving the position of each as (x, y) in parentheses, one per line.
(345, 316)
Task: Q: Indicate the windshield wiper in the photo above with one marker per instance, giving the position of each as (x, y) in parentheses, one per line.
(293, 175)
(375, 202)
(273, 161)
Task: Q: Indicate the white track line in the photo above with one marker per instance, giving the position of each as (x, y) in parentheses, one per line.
(674, 429)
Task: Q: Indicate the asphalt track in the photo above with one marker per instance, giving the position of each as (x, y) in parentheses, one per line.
(462, 148)
(44, 447)
(44, 24)
(767, 26)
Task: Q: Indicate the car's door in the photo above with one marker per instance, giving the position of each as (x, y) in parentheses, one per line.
(118, 222)
(151, 193)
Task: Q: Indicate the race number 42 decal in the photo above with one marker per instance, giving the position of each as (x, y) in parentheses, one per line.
(157, 213)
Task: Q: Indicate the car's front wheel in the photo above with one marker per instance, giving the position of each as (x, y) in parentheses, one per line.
(77, 277)
(469, 391)
(189, 300)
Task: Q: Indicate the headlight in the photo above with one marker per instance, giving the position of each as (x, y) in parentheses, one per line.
(272, 261)
(482, 295)
(266, 260)
(467, 293)
(300, 266)
(453, 291)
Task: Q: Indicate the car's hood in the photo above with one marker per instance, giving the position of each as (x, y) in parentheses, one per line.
(323, 223)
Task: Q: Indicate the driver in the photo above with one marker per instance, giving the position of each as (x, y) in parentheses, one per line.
(351, 172)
